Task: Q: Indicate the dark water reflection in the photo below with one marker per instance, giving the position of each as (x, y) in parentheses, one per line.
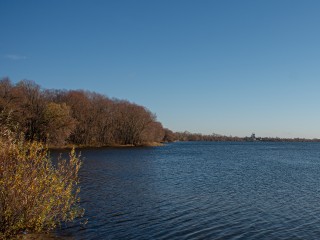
(201, 191)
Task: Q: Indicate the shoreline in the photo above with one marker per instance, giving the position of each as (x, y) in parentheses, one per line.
(161, 144)
(70, 146)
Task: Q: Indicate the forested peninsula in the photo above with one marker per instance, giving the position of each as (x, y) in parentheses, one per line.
(61, 118)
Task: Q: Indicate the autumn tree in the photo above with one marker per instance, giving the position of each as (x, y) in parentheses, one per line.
(130, 122)
(103, 113)
(81, 110)
(76, 116)
(58, 123)
(6, 96)
(169, 136)
(29, 109)
(153, 132)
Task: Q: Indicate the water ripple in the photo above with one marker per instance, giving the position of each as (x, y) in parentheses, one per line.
(201, 191)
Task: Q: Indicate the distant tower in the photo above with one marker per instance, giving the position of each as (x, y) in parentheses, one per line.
(253, 137)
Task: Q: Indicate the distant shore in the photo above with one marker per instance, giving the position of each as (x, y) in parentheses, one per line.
(187, 136)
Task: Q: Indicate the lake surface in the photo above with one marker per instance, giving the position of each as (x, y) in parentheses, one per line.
(201, 190)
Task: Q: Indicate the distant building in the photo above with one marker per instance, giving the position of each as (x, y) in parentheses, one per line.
(253, 137)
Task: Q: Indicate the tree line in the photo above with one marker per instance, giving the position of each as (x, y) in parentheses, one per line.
(187, 136)
(60, 117)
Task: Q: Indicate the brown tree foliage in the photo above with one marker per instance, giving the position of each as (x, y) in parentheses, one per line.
(58, 123)
(133, 124)
(59, 117)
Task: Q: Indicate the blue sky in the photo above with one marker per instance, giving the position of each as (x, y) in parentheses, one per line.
(228, 67)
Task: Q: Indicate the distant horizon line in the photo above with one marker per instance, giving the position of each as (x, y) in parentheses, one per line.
(236, 136)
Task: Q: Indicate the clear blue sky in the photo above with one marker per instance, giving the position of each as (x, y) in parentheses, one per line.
(229, 67)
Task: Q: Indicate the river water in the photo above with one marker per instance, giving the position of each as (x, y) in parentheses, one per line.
(200, 190)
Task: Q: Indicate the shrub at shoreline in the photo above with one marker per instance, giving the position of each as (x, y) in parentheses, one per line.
(35, 196)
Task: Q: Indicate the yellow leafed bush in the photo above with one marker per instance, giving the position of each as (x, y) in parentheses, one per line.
(35, 196)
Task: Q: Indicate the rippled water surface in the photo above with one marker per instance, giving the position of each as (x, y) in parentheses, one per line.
(201, 190)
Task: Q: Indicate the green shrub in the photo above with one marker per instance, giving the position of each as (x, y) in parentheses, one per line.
(35, 196)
